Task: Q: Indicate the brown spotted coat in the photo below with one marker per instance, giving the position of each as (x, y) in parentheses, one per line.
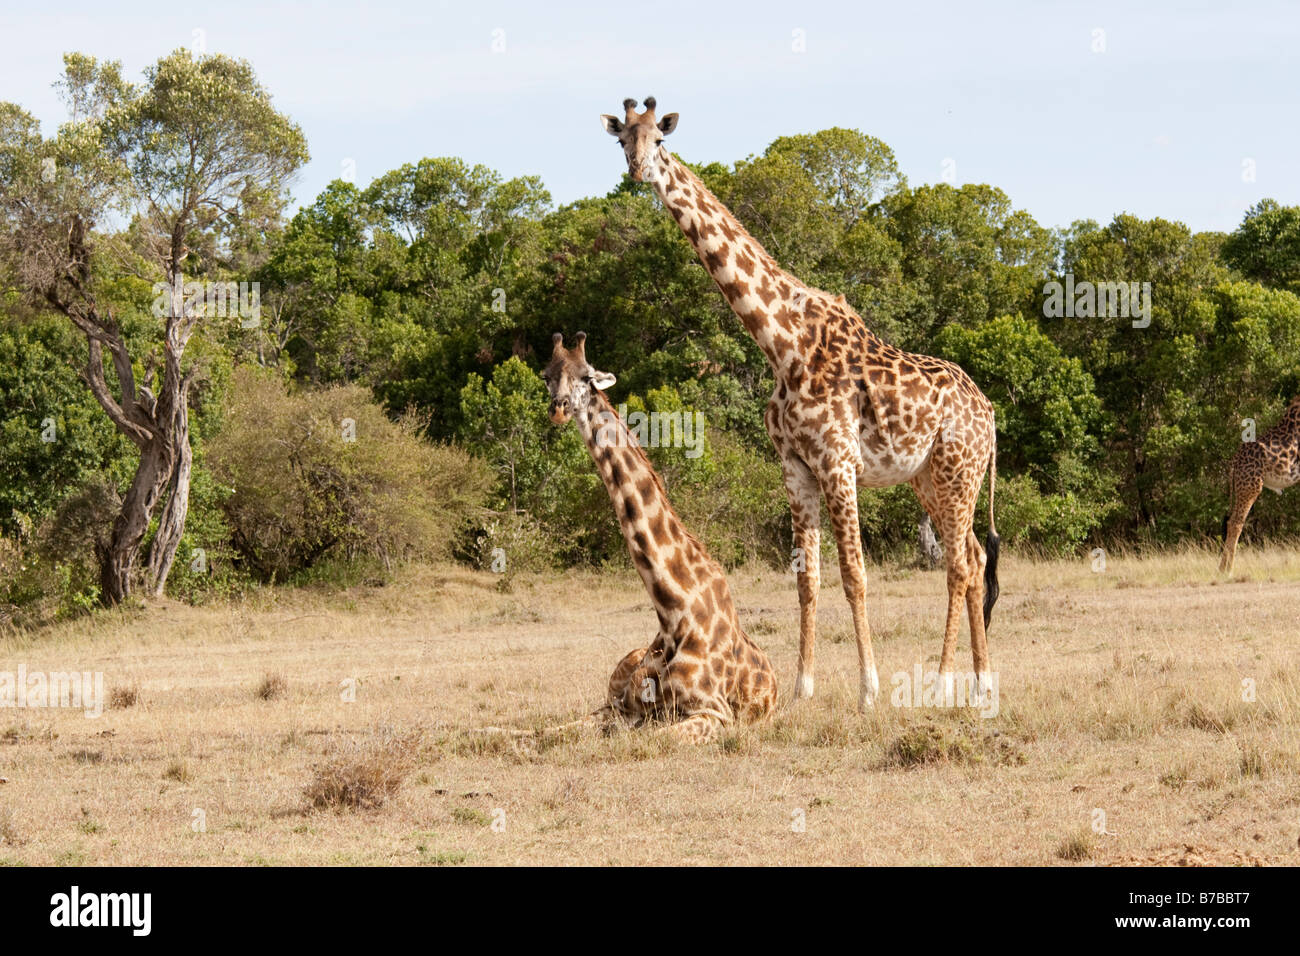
(1271, 461)
(849, 411)
(702, 671)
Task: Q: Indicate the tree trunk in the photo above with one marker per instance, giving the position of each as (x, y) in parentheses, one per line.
(159, 426)
(930, 554)
(171, 525)
(132, 522)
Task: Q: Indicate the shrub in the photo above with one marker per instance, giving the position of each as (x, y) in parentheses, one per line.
(1055, 524)
(272, 687)
(362, 776)
(316, 473)
(52, 571)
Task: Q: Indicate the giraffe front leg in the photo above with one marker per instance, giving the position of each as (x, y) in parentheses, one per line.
(841, 491)
(622, 676)
(695, 729)
(805, 512)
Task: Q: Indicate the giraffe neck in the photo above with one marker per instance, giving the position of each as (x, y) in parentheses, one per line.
(769, 301)
(655, 536)
(1289, 423)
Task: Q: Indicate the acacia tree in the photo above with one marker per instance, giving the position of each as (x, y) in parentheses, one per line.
(188, 155)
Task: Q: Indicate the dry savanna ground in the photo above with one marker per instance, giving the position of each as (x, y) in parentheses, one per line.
(1125, 707)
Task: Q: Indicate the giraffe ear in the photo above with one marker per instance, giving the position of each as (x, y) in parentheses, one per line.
(613, 125)
(601, 380)
(668, 123)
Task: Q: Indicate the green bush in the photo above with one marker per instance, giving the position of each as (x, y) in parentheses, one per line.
(888, 518)
(550, 507)
(53, 434)
(1053, 524)
(326, 473)
(51, 571)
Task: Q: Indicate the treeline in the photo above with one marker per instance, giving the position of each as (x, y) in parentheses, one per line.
(419, 309)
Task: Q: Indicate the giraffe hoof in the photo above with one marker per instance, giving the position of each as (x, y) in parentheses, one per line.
(868, 690)
(803, 687)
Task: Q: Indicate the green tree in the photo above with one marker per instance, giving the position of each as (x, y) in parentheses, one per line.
(1050, 424)
(966, 255)
(1149, 377)
(1266, 246)
(193, 148)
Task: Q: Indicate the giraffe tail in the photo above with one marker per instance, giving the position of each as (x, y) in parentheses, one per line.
(992, 544)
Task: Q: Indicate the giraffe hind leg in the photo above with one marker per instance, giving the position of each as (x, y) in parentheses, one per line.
(977, 560)
(1244, 493)
(951, 505)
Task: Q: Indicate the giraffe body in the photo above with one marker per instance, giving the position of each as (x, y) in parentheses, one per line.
(1272, 461)
(702, 671)
(849, 410)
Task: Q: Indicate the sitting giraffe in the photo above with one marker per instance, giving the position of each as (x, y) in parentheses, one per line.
(1271, 461)
(702, 671)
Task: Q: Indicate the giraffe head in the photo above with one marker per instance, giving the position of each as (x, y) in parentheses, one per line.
(640, 135)
(571, 380)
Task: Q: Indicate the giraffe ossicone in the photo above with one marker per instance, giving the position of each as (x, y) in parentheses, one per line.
(702, 671)
(849, 411)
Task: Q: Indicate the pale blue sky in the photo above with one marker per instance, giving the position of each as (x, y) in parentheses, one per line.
(1012, 92)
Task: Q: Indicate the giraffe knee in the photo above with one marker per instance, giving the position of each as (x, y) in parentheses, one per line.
(854, 580)
(808, 583)
(959, 568)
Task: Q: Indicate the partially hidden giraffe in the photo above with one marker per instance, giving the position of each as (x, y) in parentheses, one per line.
(702, 672)
(1271, 461)
(849, 410)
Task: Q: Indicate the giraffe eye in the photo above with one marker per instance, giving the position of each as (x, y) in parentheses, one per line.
(659, 140)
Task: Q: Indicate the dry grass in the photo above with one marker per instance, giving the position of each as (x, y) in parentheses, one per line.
(272, 687)
(1076, 847)
(9, 835)
(943, 742)
(120, 698)
(361, 776)
(1157, 692)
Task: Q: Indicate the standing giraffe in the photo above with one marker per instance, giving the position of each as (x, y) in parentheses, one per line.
(702, 671)
(1271, 461)
(849, 410)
